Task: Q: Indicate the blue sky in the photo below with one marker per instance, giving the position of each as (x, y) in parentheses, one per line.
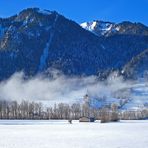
(84, 10)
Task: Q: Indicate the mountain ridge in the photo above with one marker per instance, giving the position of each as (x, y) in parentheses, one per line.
(37, 40)
(106, 28)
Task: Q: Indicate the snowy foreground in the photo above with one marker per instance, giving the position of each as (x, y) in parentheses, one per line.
(60, 134)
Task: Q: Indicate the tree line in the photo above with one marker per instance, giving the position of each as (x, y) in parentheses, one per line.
(37, 111)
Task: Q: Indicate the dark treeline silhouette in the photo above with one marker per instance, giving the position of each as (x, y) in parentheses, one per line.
(35, 110)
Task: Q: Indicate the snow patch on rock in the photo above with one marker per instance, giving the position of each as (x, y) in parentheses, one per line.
(45, 12)
(44, 56)
(100, 28)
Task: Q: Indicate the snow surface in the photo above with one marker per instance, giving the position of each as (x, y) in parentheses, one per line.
(100, 27)
(45, 12)
(139, 97)
(60, 134)
(44, 56)
(89, 26)
(97, 25)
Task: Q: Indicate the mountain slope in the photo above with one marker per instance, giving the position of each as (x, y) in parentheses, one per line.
(36, 41)
(138, 66)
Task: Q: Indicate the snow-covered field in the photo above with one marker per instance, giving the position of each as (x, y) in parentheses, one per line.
(60, 134)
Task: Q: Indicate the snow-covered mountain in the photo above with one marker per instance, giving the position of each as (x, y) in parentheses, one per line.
(101, 28)
(36, 40)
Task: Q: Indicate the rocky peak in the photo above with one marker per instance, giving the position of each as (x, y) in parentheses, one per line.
(35, 15)
(98, 27)
(101, 28)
